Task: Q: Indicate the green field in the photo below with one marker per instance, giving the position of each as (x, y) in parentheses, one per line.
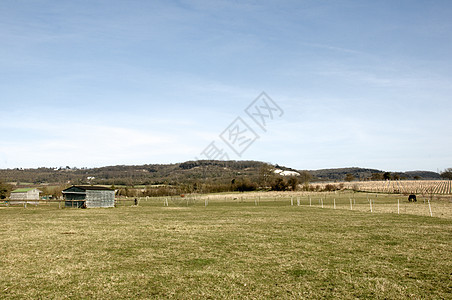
(228, 249)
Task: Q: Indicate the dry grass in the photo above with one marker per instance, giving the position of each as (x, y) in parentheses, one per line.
(440, 205)
(230, 249)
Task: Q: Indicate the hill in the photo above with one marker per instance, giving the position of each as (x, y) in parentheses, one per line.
(423, 175)
(340, 173)
(190, 172)
(149, 174)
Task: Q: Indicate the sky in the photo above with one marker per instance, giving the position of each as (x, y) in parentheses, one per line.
(304, 84)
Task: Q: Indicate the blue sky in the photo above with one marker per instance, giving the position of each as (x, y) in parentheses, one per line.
(95, 83)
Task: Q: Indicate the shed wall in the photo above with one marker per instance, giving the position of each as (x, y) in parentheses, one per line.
(100, 198)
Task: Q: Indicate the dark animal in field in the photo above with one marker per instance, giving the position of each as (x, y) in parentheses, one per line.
(412, 198)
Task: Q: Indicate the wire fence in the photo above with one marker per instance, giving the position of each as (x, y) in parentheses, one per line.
(426, 205)
(60, 203)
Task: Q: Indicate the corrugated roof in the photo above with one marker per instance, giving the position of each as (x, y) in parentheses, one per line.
(92, 187)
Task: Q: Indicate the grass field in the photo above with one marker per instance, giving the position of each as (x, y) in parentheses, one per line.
(231, 249)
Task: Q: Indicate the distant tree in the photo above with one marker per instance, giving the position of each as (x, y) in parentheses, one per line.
(387, 176)
(266, 175)
(44, 191)
(376, 176)
(279, 184)
(244, 185)
(57, 192)
(330, 188)
(305, 177)
(349, 177)
(128, 192)
(447, 174)
(5, 190)
(395, 177)
(293, 183)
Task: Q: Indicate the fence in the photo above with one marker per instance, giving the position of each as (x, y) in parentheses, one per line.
(428, 205)
(35, 203)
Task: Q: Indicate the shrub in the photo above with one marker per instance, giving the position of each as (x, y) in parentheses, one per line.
(330, 188)
(279, 185)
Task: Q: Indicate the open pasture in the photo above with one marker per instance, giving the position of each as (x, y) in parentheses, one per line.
(228, 249)
(426, 205)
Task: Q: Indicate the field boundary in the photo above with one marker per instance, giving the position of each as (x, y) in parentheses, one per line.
(427, 205)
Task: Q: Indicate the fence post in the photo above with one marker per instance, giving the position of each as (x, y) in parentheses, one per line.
(430, 208)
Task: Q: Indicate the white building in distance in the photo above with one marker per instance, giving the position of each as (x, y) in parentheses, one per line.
(25, 194)
(286, 173)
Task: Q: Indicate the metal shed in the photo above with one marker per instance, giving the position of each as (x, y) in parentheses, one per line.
(89, 196)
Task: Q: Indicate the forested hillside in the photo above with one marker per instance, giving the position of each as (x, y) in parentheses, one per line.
(206, 171)
(150, 174)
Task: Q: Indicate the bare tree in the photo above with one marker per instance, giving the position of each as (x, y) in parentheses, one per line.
(349, 177)
(305, 177)
(5, 190)
(266, 175)
(447, 174)
(293, 183)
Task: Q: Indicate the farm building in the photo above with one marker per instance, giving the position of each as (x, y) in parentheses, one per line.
(25, 194)
(89, 196)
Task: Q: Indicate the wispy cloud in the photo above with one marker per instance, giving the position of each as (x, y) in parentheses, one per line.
(95, 83)
(336, 49)
(85, 144)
